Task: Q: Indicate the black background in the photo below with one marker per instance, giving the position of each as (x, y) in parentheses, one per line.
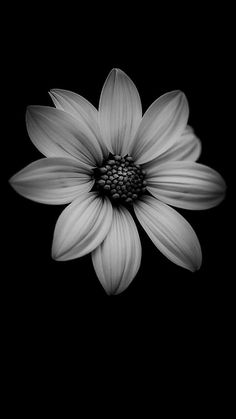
(164, 301)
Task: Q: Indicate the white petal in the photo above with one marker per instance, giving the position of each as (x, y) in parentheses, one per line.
(170, 232)
(79, 107)
(57, 180)
(117, 259)
(187, 185)
(187, 147)
(58, 134)
(81, 227)
(161, 125)
(120, 111)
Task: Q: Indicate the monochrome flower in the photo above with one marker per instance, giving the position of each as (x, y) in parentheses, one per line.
(106, 162)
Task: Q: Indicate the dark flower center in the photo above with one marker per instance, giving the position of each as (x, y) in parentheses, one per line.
(120, 179)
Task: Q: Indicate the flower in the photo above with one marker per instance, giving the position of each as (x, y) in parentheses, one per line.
(103, 163)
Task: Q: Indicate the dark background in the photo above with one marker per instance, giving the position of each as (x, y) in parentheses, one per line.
(57, 66)
(51, 307)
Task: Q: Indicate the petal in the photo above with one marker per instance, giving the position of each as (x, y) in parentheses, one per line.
(120, 111)
(81, 227)
(82, 110)
(58, 134)
(117, 259)
(186, 147)
(187, 185)
(161, 125)
(170, 232)
(57, 180)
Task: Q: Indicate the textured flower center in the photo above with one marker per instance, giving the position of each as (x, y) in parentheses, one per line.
(120, 179)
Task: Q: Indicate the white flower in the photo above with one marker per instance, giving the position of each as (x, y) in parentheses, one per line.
(104, 162)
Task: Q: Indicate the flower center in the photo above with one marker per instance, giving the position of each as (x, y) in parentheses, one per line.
(120, 179)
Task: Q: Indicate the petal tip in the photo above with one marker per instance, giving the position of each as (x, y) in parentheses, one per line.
(115, 70)
(53, 92)
(194, 266)
(112, 73)
(53, 95)
(197, 267)
(55, 254)
(197, 263)
(11, 180)
(177, 93)
(28, 110)
(180, 96)
(31, 111)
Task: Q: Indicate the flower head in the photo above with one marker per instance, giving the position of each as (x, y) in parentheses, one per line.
(103, 162)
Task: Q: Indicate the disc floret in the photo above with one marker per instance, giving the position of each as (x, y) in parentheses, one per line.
(120, 179)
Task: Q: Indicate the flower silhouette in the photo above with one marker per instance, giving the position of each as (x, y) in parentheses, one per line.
(105, 162)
